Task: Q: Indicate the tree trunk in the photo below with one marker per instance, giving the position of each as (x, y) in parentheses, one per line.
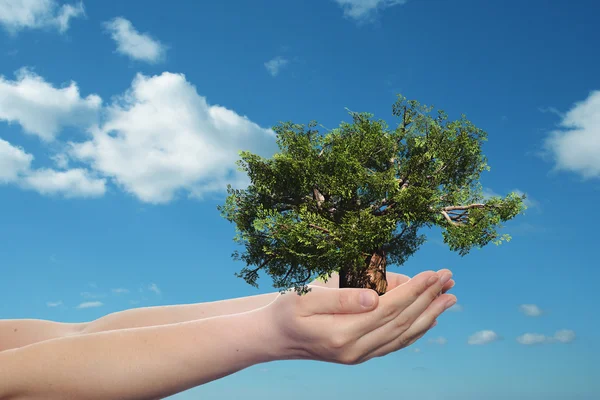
(371, 276)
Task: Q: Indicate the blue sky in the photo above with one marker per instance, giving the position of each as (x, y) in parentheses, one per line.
(96, 219)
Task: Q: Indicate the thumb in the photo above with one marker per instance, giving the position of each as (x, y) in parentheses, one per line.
(323, 300)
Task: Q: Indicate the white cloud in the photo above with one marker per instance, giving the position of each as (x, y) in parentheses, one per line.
(576, 144)
(72, 183)
(15, 167)
(417, 350)
(61, 160)
(532, 338)
(120, 291)
(562, 336)
(90, 304)
(43, 110)
(275, 64)
(14, 162)
(483, 337)
(138, 46)
(17, 15)
(531, 310)
(162, 138)
(54, 303)
(153, 287)
(362, 10)
(439, 340)
(456, 308)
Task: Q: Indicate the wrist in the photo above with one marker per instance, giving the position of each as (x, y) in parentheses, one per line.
(275, 345)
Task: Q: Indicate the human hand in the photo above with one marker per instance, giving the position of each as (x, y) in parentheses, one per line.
(332, 325)
(393, 279)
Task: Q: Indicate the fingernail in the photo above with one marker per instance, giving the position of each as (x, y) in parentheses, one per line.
(449, 304)
(434, 323)
(432, 280)
(446, 277)
(367, 299)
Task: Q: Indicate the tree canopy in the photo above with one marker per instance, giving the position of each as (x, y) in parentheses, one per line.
(326, 201)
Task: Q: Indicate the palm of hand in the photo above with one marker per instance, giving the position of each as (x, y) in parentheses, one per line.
(394, 280)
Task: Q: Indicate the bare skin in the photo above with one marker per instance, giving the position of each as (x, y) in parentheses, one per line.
(22, 332)
(156, 361)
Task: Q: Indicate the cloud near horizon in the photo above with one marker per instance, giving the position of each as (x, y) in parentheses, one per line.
(531, 310)
(90, 304)
(483, 337)
(562, 336)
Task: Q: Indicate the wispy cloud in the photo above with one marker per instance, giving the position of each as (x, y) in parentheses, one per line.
(120, 291)
(575, 145)
(551, 110)
(531, 310)
(483, 337)
(274, 65)
(18, 15)
(91, 295)
(135, 45)
(364, 10)
(154, 288)
(439, 340)
(456, 308)
(54, 303)
(90, 304)
(562, 336)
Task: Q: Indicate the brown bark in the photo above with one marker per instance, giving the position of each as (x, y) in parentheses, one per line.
(371, 276)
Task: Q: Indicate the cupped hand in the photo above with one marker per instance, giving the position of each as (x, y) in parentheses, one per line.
(393, 279)
(333, 325)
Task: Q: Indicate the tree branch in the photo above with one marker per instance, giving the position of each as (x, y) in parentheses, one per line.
(459, 219)
(320, 228)
(467, 207)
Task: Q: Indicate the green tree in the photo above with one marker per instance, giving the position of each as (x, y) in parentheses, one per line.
(354, 199)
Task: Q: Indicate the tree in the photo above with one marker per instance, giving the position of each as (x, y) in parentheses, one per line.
(354, 199)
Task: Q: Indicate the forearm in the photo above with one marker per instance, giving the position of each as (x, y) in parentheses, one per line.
(161, 315)
(140, 363)
(22, 332)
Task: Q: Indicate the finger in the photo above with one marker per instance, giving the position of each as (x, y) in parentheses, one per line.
(394, 280)
(415, 332)
(407, 294)
(422, 323)
(412, 312)
(448, 285)
(411, 300)
(321, 300)
(391, 304)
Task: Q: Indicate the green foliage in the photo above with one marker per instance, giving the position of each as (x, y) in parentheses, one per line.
(326, 201)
